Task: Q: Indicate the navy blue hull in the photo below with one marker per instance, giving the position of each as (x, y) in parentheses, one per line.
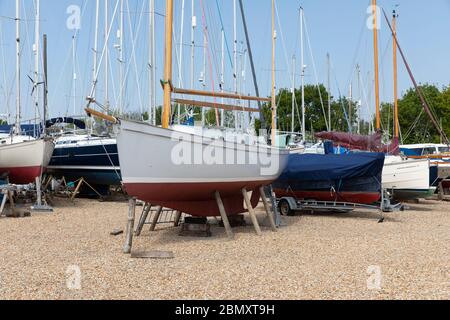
(98, 165)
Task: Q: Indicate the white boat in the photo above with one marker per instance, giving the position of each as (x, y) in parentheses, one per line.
(24, 158)
(183, 171)
(407, 179)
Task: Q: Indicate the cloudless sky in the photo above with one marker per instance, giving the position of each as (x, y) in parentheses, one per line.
(334, 26)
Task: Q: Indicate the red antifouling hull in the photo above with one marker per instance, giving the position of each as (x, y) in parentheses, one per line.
(22, 175)
(197, 199)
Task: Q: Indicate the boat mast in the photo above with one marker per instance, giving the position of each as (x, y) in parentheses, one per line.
(252, 65)
(121, 56)
(302, 49)
(168, 64)
(45, 83)
(74, 75)
(350, 108)
(36, 58)
(152, 74)
(329, 91)
(274, 102)
(17, 129)
(203, 78)
(235, 43)
(94, 76)
(375, 48)
(194, 25)
(106, 57)
(293, 96)
(396, 123)
(222, 77)
(358, 71)
(180, 60)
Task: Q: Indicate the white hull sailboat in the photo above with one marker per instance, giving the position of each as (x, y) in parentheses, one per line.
(24, 159)
(190, 172)
(407, 179)
(183, 171)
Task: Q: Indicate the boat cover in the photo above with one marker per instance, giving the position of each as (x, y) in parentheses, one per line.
(312, 167)
(360, 142)
(80, 124)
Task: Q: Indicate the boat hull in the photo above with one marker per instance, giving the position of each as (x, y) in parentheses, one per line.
(94, 160)
(183, 171)
(407, 179)
(25, 161)
(350, 178)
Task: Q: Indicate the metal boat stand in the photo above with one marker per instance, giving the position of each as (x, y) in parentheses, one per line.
(41, 205)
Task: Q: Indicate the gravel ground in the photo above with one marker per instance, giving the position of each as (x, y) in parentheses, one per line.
(311, 257)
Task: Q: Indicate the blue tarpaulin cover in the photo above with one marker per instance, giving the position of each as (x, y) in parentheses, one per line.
(315, 167)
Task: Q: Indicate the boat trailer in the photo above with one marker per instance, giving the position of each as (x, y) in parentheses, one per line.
(288, 206)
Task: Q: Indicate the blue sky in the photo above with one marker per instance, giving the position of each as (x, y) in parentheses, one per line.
(337, 27)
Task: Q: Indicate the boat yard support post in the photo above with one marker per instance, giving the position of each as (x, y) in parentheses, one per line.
(394, 44)
(144, 216)
(268, 211)
(375, 56)
(252, 64)
(156, 218)
(177, 219)
(168, 64)
(130, 226)
(274, 102)
(224, 216)
(251, 211)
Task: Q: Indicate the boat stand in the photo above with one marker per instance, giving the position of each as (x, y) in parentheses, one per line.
(40, 205)
(251, 212)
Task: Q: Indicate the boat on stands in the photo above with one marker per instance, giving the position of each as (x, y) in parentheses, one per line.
(190, 171)
(188, 168)
(23, 158)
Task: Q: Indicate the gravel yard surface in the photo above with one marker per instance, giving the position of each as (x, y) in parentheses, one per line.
(324, 256)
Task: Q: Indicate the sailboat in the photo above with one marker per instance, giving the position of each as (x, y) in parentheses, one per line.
(313, 175)
(91, 157)
(406, 179)
(186, 171)
(23, 158)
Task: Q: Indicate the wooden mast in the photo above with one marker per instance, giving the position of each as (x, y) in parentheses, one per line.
(274, 104)
(396, 123)
(168, 64)
(375, 48)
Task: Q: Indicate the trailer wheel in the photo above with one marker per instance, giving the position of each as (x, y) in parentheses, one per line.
(285, 208)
